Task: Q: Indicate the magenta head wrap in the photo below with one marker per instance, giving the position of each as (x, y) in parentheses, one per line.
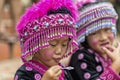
(37, 26)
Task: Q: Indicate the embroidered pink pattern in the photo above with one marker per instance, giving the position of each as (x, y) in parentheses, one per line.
(41, 69)
(96, 58)
(99, 68)
(80, 56)
(87, 75)
(109, 74)
(29, 69)
(91, 51)
(83, 65)
(37, 76)
(16, 77)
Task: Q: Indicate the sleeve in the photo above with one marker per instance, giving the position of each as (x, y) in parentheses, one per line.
(109, 74)
(26, 73)
(85, 66)
(67, 75)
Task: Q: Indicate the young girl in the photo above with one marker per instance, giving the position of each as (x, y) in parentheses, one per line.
(97, 58)
(47, 34)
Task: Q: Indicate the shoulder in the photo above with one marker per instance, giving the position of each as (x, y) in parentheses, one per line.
(26, 73)
(83, 56)
(83, 53)
(67, 75)
(86, 65)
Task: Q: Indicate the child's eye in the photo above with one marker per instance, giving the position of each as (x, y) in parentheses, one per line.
(107, 29)
(93, 33)
(53, 45)
(64, 45)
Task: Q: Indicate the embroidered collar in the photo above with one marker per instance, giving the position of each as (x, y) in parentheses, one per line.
(41, 68)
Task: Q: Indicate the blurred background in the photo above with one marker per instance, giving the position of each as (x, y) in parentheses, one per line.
(10, 12)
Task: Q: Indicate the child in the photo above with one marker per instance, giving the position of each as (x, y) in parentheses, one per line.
(47, 34)
(97, 58)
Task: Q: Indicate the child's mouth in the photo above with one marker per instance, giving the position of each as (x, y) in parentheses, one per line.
(104, 44)
(57, 59)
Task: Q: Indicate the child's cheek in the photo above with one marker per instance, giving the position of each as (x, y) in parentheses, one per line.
(111, 37)
(49, 54)
(94, 41)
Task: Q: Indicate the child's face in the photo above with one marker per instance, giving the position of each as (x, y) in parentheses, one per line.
(100, 39)
(51, 55)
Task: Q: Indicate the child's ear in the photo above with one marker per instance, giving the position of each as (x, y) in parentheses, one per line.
(116, 42)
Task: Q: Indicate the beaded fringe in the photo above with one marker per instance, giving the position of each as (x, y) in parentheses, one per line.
(100, 24)
(40, 40)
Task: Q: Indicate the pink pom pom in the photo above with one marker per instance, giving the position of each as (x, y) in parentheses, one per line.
(41, 8)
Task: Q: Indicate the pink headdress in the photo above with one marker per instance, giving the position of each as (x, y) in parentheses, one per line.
(37, 27)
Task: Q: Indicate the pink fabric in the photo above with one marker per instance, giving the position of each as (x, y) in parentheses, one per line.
(40, 9)
(36, 28)
(108, 73)
(41, 68)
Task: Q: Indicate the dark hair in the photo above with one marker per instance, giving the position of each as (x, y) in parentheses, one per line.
(118, 1)
(62, 10)
(85, 43)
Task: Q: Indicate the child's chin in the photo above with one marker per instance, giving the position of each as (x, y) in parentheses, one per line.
(100, 51)
(54, 64)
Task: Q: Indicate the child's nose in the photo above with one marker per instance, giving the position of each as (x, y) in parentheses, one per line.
(58, 50)
(103, 36)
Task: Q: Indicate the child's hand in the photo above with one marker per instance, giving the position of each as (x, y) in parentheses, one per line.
(114, 54)
(52, 73)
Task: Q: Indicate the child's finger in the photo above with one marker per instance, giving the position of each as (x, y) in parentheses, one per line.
(108, 52)
(56, 68)
(110, 47)
(58, 73)
(118, 46)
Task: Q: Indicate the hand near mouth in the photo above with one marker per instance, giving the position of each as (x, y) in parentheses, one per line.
(53, 73)
(114, 54)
